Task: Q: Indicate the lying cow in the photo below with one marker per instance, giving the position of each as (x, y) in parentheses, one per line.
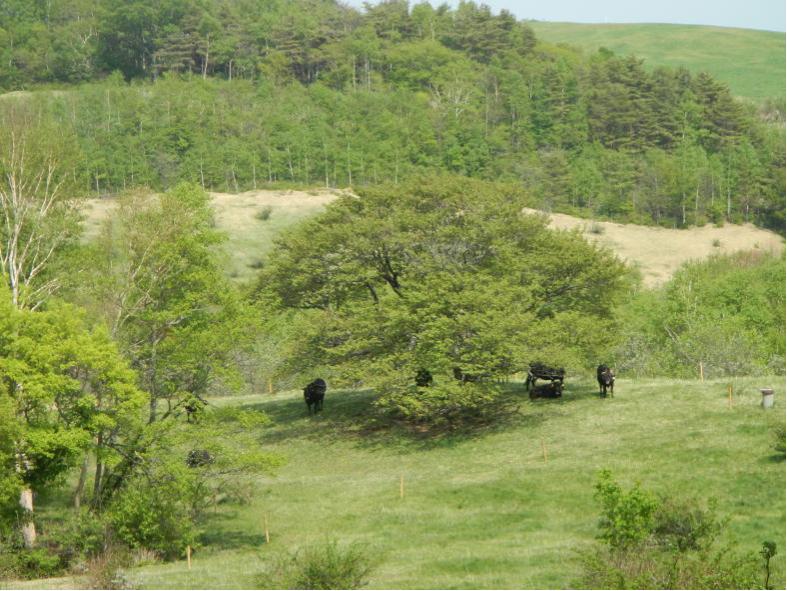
(550, 390)
(314, 394)
(606, 379)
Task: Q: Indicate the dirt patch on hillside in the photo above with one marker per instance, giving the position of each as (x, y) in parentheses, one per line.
(658, 252)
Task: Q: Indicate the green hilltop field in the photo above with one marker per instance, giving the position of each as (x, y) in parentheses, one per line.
(750, 62)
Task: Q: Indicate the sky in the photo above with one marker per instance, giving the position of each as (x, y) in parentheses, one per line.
(767, 15)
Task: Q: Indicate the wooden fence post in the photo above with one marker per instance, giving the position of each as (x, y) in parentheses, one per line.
(267, 533)
(702, 374)
(188, 556)
(270, 386)
(729, 396)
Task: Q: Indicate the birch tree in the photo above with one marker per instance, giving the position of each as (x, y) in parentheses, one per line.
(38, 208)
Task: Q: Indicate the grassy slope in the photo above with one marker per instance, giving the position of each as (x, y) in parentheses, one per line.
(751, 62)
(488, 512)
(251, 239)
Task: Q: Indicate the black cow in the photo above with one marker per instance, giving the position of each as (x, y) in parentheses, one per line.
(606, 379)
(541, 371)
(423, 379)
(314, 394)
(550, 390)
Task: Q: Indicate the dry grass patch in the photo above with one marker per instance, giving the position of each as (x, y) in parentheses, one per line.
(658, 252)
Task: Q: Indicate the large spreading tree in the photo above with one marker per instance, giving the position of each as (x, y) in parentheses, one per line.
(441, 273)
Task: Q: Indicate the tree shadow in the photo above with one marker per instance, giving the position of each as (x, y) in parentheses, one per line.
(350, 415)
(221, 539)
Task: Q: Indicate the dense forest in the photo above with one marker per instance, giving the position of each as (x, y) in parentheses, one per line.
(237, 94)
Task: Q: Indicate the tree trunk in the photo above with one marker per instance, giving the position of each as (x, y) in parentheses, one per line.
(28, 526)
(81, 484)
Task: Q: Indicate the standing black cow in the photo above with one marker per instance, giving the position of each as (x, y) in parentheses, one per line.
(606, 379)
(314, 394)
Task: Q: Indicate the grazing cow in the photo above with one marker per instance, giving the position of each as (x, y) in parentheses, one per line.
(314, 394)
(606, 379)
(198, 458)
(423, 379)
(550, 390)
(540, 371)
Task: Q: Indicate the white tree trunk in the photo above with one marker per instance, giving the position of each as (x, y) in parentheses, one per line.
(28, 527)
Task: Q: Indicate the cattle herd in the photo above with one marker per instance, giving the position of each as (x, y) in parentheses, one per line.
(314, 392)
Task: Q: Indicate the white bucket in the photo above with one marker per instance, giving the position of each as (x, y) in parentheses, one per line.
(767, 397)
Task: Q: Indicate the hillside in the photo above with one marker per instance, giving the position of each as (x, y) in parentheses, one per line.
(751, 62)
(250, 238)
(488, 511)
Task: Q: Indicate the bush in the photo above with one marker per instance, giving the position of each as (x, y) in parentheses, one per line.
(29, 564)
(322, 566)
(159, 518)
(627, 517)
(264, 214)
(661, 543)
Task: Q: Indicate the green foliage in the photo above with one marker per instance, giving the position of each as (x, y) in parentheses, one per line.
(726, 312)
(159, 502)
(667, 543)
(36, 563)
(440, 273)
(446, 404)
(627, 517)
(64, 385)
(323, 566)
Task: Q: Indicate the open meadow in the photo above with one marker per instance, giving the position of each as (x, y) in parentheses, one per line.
(750, 62)
(489, 511)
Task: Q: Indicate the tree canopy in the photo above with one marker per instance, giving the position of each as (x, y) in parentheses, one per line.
(441, 273)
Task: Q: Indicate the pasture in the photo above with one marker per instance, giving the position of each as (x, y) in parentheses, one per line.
(488, 511)
(750, 62)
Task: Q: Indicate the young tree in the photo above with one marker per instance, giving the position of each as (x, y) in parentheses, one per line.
(64, 386)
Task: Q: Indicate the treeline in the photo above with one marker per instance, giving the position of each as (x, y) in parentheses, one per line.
(234, 95)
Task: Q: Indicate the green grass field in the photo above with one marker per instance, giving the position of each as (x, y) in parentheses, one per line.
(487, 511)
(751, 62)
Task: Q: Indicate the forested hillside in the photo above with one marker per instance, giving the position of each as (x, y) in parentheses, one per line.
(240, 93)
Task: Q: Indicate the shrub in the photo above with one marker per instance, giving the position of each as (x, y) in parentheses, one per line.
(158, 518)
(29, 564)
(264, 214)
(322, 566)
(596, 228)
(662, 543)
(627, 517)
